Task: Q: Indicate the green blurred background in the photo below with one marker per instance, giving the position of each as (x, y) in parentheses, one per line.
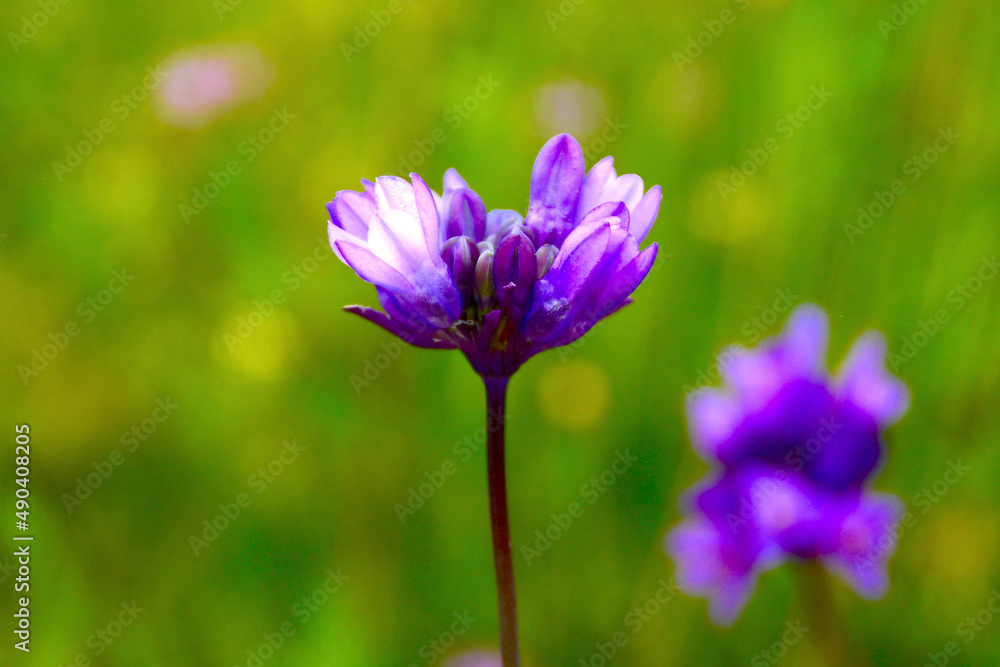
(593, 67)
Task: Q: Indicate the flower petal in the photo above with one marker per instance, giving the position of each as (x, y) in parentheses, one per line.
(454, 181)
(515, 269)
(427, 213)
(593, 186)
(864, 380)
(336, 234)
(696, 547)
(392, 193)
(372, 269)
(644, 213)
(582, 233)
(712, 417)
(466, 216)
(799, 351)
(498, 219)
(434, 303)
(397, 238)
(352, 212)
(610, 209)
(606, 290)
(555, 189)
(552, 302)
(867, 540)
(805, 339)
(627, 188)
(576, 261)
(393, 327)
(629, 277)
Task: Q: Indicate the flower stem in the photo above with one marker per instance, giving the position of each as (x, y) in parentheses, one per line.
(496, 401)
(829, 636)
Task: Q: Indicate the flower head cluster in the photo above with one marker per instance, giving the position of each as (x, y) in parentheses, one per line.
(498, 286)
(794, 451)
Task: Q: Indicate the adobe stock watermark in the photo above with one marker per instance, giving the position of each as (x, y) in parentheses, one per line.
(365, 33)
(595, 147)
(264, 308)
(103, 638)
(776, 651)
(634, 622)
(437, 646)
(453, 117)
(130, 440)
(591, 491)
(88, 310)
(914, 168)
(598, 316)
(958, 298)
(302, 611)
(248, 150)
(30, 25)
(900, 16)
(373, 367)
(121, 108)
(752, 330)
(769, 488)
(254, 319)
(786, 127)
(968, 630)
(223, 7)
(464, 449)
(563, 11)
(259, 482)
(925, 499)
(714, 27)
(591, 323)
(6, 569)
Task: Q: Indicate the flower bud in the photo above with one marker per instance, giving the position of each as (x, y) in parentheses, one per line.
(483, 282)
(515, 270)
(466, 215)
(513, 225)
(546, 255)
(460, 255)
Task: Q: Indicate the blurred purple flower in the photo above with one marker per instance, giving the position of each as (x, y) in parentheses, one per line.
(498, 287)
(206, 83)
(569, 106)
(476, 659)
(795, 451)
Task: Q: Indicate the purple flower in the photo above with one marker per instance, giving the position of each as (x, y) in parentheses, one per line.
(794, 451)
(499, 287)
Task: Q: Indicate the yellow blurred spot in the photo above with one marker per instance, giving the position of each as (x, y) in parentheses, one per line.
(326, 18)
(77, 422)
(686, 96)
(973, 562)
(573, 395)
(729, 207)
(261, 345)
(119, 188)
